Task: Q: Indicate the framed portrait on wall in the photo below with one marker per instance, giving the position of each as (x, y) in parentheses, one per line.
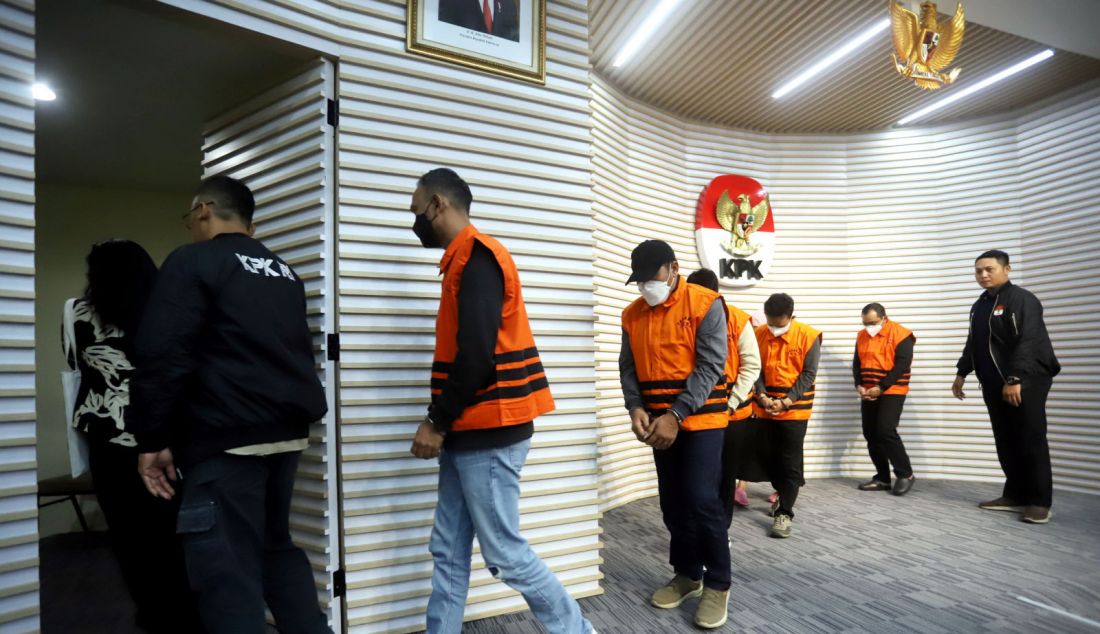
(505, 37)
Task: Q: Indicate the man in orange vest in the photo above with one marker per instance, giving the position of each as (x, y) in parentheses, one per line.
(789, 352)
(672, 370)
(881, 368)
(487, 387)
(742, 369)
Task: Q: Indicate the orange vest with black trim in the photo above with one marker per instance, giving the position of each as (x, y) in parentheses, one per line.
(781, 360)
(662, 339)
(519, 392)
(738, 320)
(876, 355)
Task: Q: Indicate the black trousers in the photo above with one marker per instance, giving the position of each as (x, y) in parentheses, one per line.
(880, 429)
(1021, 437)
(688, 473)
(235, 524)
(784, 460)
(142, 532)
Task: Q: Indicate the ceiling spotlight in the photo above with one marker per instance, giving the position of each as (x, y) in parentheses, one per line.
(42, 92)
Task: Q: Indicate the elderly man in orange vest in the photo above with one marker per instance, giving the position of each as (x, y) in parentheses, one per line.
(487, 387)
(789, 353)
(881, 368)
(672, 370)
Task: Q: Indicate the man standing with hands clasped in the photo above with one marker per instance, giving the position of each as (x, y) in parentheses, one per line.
(1009, 348)
(672, 370)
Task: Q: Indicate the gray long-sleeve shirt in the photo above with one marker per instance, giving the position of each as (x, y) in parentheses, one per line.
(805, 379)
(710, 364)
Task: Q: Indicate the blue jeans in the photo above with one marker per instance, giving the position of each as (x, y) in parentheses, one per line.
(479, 493)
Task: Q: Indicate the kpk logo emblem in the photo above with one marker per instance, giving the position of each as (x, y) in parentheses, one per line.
(735, 230)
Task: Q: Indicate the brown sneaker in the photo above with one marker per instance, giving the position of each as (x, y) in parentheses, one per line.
(675, 592)
(1002, 504)
(713, 609)
(1037, 514)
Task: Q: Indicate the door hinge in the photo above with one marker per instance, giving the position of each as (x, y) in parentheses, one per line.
(333, 113)
(339, 583)
(333, 347)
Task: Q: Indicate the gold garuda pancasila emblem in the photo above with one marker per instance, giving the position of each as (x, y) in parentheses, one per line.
(926, 47)
(741, 220)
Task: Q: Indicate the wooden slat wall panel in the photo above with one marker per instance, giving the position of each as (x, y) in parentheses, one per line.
(19, 592)
(1058, 148)
(895, 217)
(280, 144)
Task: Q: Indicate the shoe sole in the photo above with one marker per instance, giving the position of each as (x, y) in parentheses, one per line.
(669, 606)
(1010, 509)
(1042, 521)
(711, 626)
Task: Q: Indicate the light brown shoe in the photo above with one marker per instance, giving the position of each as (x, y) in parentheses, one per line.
(1037, 514)
(1002, 504)
(713, 609)
(675, 592)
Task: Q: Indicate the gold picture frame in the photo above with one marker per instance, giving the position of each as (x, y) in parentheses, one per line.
(511, 43)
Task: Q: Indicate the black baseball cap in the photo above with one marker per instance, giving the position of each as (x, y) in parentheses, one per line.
(647, 258)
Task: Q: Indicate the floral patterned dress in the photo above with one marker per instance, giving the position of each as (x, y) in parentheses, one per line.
(103, 354)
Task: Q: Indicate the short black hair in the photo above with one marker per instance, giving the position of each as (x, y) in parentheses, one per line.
(779, 305)
(231, 197)
(705, 278)
(447, 182)
(997, 254)
(875, 306)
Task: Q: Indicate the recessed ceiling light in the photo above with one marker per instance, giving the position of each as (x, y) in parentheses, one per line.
(961, 93)
(42, 92)
(645, 31)
(832, 58)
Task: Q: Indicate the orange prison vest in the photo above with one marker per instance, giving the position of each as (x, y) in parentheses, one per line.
(781, 360)
(738, 319)
(876, 355)
(662, 339)
(519, 392)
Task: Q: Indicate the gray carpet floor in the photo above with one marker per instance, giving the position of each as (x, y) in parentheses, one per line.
(929, 562)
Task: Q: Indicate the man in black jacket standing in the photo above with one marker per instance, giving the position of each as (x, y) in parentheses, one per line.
(1009, 348)
(222, 398)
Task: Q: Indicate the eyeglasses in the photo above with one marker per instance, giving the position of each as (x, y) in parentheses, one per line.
(187, 216)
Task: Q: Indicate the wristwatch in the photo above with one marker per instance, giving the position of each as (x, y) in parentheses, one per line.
(1012, 380)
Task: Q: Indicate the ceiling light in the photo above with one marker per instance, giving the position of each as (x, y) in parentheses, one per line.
(831, 59)
(969, 90)
(42, 92)
(656, 17)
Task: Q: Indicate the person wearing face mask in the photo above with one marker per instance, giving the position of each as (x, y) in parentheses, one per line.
(789, 353)
(672, 371)
(487, 388)
(1009, 349)
(881, 368)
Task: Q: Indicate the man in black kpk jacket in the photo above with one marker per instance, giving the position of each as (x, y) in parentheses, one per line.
(222, 398)
(1009, 348)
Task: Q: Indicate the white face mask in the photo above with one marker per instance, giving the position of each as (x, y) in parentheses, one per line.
(873, 330)
(654, 291)
(779, 332)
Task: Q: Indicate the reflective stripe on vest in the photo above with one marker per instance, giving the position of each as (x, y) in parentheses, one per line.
(876, 356)
(782, 360)
(519, 391)
(662, 339)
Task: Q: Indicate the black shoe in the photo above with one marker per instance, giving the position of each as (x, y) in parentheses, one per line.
(902, 485)
(874, 484)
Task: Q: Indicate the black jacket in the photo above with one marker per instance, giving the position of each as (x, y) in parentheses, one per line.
(1018, 339)
(223, 357)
